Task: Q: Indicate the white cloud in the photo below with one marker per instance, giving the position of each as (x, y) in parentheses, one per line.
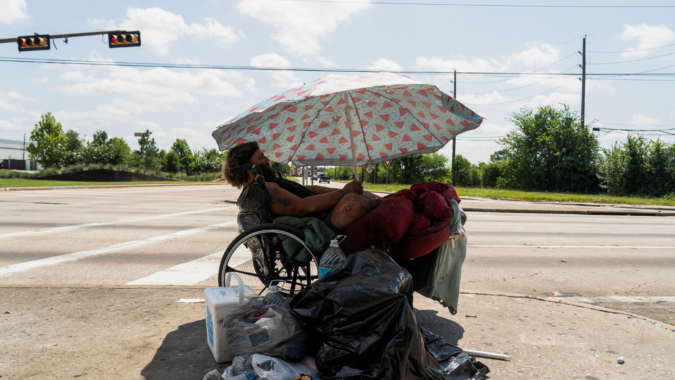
(384, 64)
(160, 28)
(12, 10)
(461, 64)
(648, 37)
(9, 101)
(326, 63)
(285, 79)
(644, 120)
(41, 80)
(537, 55)
(299, 26)
(157, 85)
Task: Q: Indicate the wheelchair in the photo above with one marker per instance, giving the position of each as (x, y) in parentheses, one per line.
(257, 253)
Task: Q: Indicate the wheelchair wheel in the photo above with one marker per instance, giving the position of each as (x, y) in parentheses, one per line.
(238, 258)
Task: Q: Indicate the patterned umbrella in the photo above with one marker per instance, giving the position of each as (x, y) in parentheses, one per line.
(342, 120)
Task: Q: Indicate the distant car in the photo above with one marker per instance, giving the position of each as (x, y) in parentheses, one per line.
(324, 178)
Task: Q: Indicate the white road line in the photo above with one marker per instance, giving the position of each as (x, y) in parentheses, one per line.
(570, 246)
(113, 248)
(617, 299)
(195, 271)
(77, 226)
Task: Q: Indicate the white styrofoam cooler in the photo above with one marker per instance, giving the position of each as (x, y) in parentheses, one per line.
(219, 302)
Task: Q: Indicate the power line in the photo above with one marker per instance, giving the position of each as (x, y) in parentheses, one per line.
(629, 51)
(253, 68)
(483, 5)
(529, 97)
(516, 88)
(633, 60)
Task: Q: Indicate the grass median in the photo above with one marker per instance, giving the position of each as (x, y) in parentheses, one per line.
(536, 196)
(21, 182)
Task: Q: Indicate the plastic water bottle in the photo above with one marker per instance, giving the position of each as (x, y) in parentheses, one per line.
(250, 375)
(273, 296)
(333, 257)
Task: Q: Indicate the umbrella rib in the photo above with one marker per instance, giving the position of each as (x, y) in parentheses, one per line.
(413, 116)
(365, 142)
(310, 124)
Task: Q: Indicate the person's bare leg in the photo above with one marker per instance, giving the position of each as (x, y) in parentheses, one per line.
(371, 195)
(352, 208)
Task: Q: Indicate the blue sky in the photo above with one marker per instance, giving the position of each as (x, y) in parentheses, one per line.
(185, 103)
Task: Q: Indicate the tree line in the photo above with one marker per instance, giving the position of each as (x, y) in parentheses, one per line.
(549, 150)
(51, 147)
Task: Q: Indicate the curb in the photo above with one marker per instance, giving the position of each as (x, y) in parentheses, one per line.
(104, 186)
(664, 326)
(574, 212)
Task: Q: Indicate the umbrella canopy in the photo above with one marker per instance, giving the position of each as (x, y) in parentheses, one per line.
(342, 120)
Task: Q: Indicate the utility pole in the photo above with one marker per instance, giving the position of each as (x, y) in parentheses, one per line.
(23, 157)
(454, 138)
(583, 84)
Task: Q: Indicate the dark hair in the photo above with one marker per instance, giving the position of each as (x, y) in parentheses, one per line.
(237, 156)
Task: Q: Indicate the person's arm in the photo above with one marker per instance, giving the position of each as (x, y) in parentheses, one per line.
(321, 189)
(285, 203)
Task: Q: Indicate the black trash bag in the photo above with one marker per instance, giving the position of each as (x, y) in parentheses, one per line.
(361, 323)
(455, 363)
(254, 210)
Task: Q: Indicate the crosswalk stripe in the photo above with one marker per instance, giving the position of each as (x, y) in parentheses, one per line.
(570, 246)
(618, 299)
(78, 226)
(195, 271)
(113, 248)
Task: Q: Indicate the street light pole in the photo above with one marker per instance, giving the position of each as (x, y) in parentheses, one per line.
(454, 138)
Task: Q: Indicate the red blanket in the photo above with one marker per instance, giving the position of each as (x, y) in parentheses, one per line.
(413, 222)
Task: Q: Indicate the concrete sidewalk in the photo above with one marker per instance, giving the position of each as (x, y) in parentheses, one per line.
(142, 333)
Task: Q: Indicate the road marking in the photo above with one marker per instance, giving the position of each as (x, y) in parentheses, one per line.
(617, 299)
(113, 248)
(195, 271)
(570, 246)
(77, 226)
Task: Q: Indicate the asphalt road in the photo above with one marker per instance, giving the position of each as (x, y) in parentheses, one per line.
(176, 235)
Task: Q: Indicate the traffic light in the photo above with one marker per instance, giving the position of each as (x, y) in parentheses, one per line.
(36, 42)
(124, 39)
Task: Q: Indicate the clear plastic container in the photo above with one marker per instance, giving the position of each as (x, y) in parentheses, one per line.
(273, 296)
(333, 257)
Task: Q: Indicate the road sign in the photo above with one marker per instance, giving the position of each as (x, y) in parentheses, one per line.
(388, 163)
(138, 134)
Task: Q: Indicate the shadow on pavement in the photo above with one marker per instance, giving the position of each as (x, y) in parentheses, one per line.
(183, 354)
(447, 329)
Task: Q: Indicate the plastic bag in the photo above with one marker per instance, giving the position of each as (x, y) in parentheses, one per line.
(240, 364)
(255, 327)
(269, 368)
(361, 322)
(455, 363)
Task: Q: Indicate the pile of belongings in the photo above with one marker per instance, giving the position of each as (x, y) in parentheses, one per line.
(408, 224)
(361, 325)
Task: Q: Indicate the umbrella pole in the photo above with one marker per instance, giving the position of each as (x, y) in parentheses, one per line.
(348, 115)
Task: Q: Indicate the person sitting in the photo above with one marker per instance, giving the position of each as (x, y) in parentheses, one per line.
(338, 208)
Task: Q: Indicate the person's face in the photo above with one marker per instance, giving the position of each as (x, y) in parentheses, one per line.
(260, 160)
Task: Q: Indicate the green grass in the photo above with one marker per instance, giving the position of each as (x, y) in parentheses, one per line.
(21, 182)
(537, 196)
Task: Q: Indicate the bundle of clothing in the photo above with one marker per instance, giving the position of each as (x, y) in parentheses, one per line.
(408, 224)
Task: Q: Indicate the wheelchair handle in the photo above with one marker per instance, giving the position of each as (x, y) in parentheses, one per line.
(240, 287)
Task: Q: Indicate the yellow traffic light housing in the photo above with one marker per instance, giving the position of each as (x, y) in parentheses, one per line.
(35, 42)
(124, 39)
